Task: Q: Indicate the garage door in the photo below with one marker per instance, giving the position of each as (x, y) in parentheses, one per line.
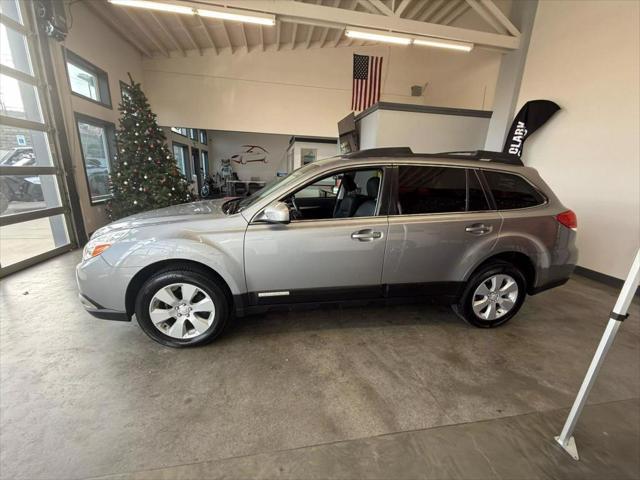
(34, 223)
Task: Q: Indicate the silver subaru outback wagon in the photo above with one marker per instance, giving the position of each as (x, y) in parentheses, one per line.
(477, 230)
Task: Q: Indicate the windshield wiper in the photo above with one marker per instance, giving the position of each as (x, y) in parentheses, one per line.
(231, 206)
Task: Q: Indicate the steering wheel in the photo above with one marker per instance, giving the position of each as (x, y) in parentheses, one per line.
(294, 211)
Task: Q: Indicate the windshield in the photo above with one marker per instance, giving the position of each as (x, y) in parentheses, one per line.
(276, 183)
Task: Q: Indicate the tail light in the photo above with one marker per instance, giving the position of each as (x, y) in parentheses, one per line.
(568, 219)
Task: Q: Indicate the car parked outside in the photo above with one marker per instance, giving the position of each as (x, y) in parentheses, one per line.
(382, 225)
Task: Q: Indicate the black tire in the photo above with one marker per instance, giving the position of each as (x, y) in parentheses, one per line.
(464, 308)
(193, 277)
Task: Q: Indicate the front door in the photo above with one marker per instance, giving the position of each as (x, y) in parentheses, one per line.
(441, 226)
(321, 256)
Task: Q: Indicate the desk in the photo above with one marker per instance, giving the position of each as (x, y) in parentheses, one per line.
(231, 185)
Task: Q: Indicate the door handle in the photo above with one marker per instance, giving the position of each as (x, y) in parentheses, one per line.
(367, 235)
(478, 229)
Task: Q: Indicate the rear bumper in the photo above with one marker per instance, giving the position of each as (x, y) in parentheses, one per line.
(100, 312)
(553, 277)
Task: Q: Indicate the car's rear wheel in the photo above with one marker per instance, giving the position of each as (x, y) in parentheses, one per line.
(181, 308)
(492, 296)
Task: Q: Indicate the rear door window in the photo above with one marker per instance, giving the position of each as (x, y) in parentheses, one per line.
(423, 190)
(512, 191)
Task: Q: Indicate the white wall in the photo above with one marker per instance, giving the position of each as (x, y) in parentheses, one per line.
(225, 144)
(422, 132)
(306, 92)
(91, 39)
(323, 150)
(586, 57)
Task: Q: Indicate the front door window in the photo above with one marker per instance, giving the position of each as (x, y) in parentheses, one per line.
(353, 193)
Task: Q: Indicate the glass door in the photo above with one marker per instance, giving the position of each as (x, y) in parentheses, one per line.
(34, 223)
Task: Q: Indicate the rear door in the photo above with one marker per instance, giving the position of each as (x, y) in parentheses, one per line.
(441, 223)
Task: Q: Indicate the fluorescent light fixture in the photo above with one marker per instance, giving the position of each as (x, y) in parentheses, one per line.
(439, 43)
(237, 15)
(376, 36)
(163, 7)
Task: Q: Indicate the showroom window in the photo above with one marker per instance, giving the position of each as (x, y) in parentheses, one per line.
(179, 131)
(125, 90)
(204, 157)
(424, 190)
(203, 137)
(97, 139)
(34, 211)
(193, 133)
(181, 153)
(512, 191)
(87, 80)
(353, 193)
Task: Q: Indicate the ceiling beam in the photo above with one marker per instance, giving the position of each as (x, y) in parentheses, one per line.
(391, 23)
(208, 34)
(133, 16)
(309, 36)
(368, 7)
(444, 11)
(323, 36)
(402, 7)
(501, 17)
(416, 9)
(244, 37)
(457, 13)
(294, 34)
(382, 7)
(99, 11)
(185, 27)
(431, 9)
(479, 9)
(167, 33)
(225, 29)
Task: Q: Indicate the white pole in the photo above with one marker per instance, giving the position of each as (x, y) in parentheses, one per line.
(619, 313)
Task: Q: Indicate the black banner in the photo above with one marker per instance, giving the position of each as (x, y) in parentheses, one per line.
(531, 116)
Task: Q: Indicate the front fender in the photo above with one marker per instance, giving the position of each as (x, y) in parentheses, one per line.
(222, 252)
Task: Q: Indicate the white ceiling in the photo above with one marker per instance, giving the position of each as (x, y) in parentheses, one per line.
(300, 25)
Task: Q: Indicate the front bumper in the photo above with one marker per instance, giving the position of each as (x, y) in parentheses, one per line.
(100, 312)
(102, 288)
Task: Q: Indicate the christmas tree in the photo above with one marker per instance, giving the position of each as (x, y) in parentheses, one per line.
(145, 175)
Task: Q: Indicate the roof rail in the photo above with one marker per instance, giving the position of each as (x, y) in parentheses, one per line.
(479, 155)
(485, 156)
(381, 152)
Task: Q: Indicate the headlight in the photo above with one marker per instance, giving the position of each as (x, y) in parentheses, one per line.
(99, 244)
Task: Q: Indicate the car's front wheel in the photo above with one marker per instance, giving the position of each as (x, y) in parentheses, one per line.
(492, 296)
(181, 308)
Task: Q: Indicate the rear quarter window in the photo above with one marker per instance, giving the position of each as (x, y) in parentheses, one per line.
(512, 191)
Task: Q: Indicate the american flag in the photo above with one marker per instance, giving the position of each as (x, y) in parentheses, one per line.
(367, 72)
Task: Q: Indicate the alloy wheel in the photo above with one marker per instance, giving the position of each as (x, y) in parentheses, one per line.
(495, 297)
(182, 310)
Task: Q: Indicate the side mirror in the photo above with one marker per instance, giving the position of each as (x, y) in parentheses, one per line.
(275, 213)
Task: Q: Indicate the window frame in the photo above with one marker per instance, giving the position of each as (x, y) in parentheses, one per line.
(394, 198)
(489, 194)
(101, 75)
(187, 159)
(382, 205)
(110, 130)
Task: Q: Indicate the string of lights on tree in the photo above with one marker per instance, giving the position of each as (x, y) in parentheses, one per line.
(145, 175)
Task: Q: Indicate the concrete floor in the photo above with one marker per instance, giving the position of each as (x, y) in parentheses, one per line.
(399, 392)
